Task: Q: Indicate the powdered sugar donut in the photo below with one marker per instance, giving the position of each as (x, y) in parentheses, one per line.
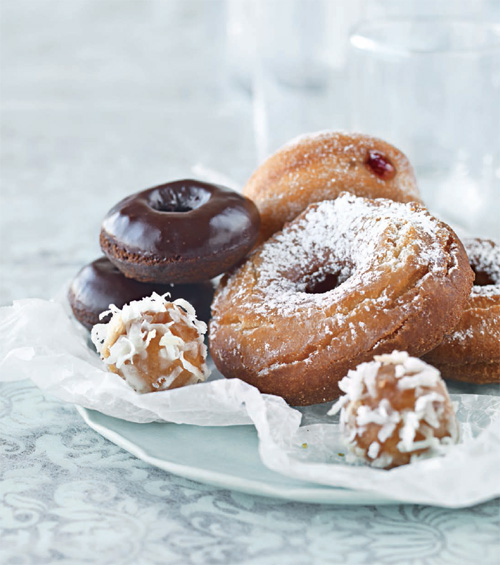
(395, 409)
(347, 279)
(471, 353)
(319, 167)
(154, 344)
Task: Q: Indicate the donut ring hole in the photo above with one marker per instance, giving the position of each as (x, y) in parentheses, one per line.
(482, 278)
(321, 277)
(325, 283)
(178, 199)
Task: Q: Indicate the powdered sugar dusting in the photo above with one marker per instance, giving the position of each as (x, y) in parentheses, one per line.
(476, 338)
(343, 238)
(484, 257)
(335, 138)
(342, 147)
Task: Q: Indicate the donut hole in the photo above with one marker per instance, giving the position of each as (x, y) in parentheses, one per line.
(178, 198)
(325, 282)
(172, 207)
(482, 278)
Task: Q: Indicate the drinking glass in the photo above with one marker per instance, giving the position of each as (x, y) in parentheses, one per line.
(431, 86)
(299, 51)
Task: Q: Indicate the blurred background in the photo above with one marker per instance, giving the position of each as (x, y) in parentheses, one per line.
(102, 98)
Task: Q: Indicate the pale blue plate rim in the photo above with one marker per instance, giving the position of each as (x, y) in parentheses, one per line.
(132, 438)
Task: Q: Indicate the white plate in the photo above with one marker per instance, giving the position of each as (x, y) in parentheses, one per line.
(226, 457)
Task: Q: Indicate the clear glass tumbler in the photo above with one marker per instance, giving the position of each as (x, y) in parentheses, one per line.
(431, 86)
(299, 51)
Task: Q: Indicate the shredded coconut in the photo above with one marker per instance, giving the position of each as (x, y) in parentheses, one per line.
(131, 331)
(363, 408)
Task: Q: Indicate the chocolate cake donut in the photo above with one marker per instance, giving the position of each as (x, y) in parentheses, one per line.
(185, 231)
(100, 284)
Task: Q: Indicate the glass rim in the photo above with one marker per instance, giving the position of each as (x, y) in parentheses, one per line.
(359, 38)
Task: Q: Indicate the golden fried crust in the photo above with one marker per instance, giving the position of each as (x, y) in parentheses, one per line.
(321, 166)
(471, 352)
(476, 373)
(404, 280)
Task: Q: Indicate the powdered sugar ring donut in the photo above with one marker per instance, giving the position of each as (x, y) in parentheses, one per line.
(471, 353)
(320, 166)
(347, 279)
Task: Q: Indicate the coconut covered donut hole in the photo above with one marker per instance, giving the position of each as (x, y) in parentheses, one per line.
(396, 409)
(153, 344)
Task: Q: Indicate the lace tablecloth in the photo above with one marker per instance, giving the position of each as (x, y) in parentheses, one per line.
(68, 495)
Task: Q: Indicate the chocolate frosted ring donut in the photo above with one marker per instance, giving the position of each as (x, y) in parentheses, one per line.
(319, 167)
(181, 232)
(347, 279)
(471, 353)
(100, 284)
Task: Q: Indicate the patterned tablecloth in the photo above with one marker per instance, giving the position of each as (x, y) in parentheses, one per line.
(70, 496)
(100, 99)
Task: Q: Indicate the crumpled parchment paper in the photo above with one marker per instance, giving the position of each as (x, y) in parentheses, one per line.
(39, 340)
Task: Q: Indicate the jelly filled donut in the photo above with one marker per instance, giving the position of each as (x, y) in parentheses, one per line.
(471, 353)
(396, 409)
(319, 167)
(154, 344)
(347, 279)
(181, 232)
(100, 284)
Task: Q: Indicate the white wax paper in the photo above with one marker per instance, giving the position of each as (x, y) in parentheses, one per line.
(39, 340)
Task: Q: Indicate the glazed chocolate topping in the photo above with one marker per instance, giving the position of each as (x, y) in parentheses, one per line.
(182, 220)
(100, 284)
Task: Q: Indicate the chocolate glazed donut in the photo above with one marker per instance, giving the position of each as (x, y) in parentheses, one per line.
(100, 284)
(185, 231)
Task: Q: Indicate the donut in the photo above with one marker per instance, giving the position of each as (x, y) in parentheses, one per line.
(347, 279)
(185, 231)
(396, 410)
(471, 352)
(153, 344)
(100, 283)
(319, 167)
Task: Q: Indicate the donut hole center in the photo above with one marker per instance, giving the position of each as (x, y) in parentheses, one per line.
(178, 198)
(324, 283)
(482, 278)
(172, 207)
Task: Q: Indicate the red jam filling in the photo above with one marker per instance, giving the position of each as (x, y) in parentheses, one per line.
(380, 165)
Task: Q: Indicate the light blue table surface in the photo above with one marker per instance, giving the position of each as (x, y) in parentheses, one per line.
(98, 100)
(69, 495)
